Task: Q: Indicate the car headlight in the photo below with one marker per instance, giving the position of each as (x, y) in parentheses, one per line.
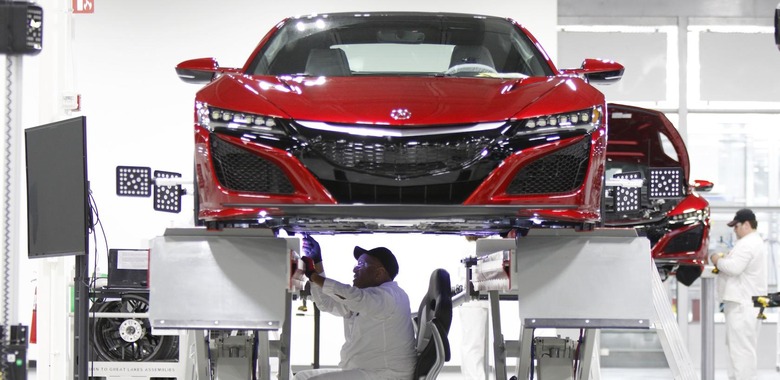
(689, 217)
(213, 118)
(588, 120)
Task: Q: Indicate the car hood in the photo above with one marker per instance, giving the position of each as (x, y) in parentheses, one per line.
(629, 125)
(412, 101)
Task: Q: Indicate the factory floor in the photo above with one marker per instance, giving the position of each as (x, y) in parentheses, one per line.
(638, 374)
(606, 374)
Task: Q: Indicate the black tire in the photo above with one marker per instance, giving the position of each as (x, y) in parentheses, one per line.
(687, 274)
(110, 340)
(196, 199)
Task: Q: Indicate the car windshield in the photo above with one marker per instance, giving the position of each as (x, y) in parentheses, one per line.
(400, 44)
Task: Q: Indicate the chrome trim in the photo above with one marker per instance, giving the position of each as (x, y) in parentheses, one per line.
(364, 130)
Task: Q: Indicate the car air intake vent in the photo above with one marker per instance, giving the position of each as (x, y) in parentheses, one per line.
(239, 170)
(686, 242)
(559, 172)
(450, 193)
(402, 159)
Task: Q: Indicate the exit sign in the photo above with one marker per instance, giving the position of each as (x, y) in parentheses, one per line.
(83, 6)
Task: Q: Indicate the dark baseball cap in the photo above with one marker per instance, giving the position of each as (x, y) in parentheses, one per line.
(384, 256)
(742, 216)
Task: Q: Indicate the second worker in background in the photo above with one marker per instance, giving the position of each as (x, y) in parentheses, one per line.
(742, 275)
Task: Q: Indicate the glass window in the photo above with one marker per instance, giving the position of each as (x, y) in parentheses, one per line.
(738, 152)
(401, 44)
(650, 78)
(721, 73)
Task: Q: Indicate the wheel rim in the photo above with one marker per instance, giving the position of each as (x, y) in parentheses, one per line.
(125, 339)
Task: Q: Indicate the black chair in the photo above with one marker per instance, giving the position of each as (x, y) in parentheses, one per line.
(433, 324)
(327, 62)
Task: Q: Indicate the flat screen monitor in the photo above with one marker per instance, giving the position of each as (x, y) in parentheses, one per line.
(57, 188)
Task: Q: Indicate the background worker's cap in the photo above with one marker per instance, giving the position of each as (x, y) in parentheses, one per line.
(742, 216)
(384, 256)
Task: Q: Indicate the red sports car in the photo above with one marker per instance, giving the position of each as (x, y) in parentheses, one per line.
(428, 122)
(648, 188)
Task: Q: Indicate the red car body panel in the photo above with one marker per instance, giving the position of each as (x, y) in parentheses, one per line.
(697, 256)
(679, 227)
(430, 103)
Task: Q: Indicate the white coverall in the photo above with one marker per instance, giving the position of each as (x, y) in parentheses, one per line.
(743, 274)
(474, 329)
(377, 328)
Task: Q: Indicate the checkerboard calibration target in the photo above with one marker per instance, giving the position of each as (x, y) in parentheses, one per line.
(167, 198)
(666, 183)
(627, 198)
(133, 181)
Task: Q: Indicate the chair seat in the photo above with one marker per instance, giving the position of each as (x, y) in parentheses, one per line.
(433, 322)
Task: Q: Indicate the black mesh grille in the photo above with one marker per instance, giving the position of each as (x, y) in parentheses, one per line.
(559, 172)
(450, 193)
(686, 242)
(402, 159)
(240, 170)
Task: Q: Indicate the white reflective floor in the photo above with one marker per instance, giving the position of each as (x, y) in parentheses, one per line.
(639, 374)
(606, 374)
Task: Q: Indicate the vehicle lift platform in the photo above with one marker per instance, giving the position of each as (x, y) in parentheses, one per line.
(561, 278)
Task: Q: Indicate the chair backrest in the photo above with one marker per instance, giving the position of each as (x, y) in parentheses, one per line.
(471, 54)
(433, 324)
(327, 62)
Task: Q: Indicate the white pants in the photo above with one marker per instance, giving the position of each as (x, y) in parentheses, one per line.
(473, 319)
(742, 327)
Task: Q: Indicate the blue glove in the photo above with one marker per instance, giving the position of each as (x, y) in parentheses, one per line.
(312, 249)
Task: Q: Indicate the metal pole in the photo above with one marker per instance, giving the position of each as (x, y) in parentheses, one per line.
(499, 349)
(284, 346)
(707, 328)
(316, 363)
(81, 316)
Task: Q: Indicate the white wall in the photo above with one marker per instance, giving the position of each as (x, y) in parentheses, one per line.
(121, 61)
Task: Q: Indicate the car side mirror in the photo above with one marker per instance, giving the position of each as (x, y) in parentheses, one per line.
(200, 70)
(702, 185)
(600, 71)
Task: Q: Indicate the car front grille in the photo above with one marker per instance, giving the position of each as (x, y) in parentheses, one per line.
(449, 193)
(559, 172)
(401, 159)
(238, 169)
(686, 242)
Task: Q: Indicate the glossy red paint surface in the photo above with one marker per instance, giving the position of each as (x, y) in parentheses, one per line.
(694, 257)
(432, 101)
(659, 123)
(628, 147)
(213, 196)
(493, 189)
(370, 100)
(690, 203)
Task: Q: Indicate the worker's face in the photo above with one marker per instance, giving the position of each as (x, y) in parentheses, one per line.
(742, 229)
(368, 272)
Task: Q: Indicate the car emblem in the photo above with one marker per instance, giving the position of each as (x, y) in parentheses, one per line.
(400, 114)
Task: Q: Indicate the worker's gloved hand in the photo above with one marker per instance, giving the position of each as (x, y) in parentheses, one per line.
(312, 249)
(308, 266)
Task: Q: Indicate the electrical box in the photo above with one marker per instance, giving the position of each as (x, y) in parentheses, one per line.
(21, 24)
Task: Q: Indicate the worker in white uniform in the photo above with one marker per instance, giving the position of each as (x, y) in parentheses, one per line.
(379, 335)
(742, 274)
